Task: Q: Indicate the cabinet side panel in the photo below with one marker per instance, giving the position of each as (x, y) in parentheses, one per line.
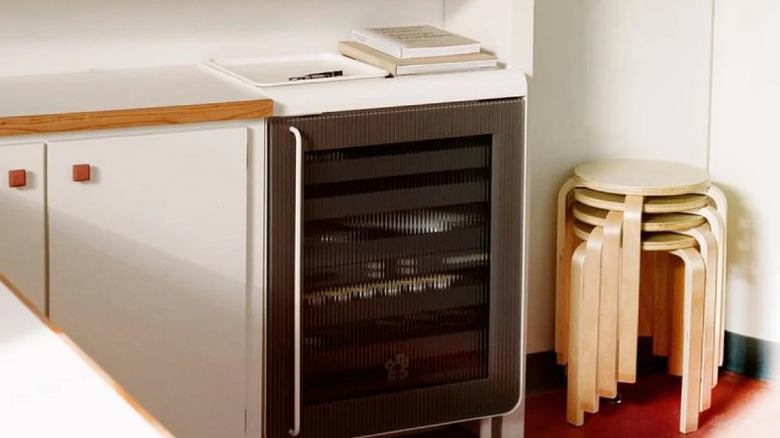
(22, 228)
(257, 275)
(148, 269)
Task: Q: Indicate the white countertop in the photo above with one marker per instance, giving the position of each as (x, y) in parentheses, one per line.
(199, 85)
(106, 90)
(50, 388)
(45, 104)
(303, 99)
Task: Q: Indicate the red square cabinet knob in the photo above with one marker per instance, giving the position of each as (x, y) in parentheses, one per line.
(81, 172)
(17, 178)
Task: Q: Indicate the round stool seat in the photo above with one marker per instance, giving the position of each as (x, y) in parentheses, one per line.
(650, 241)
(650, 223)
(642, 177)
(654, 204)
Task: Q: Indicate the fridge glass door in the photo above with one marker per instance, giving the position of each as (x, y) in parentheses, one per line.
(396, 267)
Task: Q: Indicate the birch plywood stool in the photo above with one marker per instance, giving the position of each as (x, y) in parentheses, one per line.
(590, 269)
(660, 214)
(655, 307)
(612, 197)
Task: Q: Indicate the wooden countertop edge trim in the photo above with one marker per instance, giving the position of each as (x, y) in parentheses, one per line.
(91, 362)
(126, 118)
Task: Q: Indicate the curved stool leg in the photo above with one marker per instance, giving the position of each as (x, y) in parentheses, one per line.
(589, 397)
(647, 294)
(708, 247)
(563, 252)
(574, 413)
(720, 201)
(693, 308)
(608, 307)
(677, 332)
(628, 317)
(721, 205)
(718, 227)
(661, 314)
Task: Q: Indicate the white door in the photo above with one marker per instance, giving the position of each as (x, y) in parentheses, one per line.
(148, 269)
(22, 215)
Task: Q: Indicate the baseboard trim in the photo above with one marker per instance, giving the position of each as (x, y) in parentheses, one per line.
(751, 357)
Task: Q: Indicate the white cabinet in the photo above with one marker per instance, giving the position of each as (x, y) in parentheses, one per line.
(22, 216)
(148, 269)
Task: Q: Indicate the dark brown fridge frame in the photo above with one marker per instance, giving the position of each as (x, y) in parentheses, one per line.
(499, 393)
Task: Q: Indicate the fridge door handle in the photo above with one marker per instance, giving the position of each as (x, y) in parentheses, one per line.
(298, 280)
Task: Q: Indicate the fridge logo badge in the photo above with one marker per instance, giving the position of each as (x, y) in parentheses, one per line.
(397, 367)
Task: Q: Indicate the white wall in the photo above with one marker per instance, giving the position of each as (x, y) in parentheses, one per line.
(612, 78)
(490, 21)
(46, 36)
(630, 78)
(744, 159)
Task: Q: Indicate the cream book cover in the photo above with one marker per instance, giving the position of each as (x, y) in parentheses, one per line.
(415, 41)
(401, 67)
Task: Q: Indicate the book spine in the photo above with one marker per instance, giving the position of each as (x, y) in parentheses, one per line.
(378, 42)
(368, 58)
(416, 69)
(427, 52)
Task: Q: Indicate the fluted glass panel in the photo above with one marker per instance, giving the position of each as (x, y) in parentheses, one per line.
(396, 267)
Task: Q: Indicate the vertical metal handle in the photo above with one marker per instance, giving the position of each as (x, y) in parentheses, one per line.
(298, 278)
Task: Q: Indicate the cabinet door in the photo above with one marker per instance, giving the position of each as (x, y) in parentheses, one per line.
(22, 228)
(148, 269)
(395, 287)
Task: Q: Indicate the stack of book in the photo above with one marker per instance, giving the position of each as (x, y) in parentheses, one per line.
(410, 50)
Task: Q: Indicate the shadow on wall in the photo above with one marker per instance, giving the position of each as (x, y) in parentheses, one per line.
(744, 354)
(740, 264)
(558, 140)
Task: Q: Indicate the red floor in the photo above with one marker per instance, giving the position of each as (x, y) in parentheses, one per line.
(741, 408)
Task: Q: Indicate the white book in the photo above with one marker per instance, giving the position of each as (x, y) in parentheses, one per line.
(423, 41)
(401, 67)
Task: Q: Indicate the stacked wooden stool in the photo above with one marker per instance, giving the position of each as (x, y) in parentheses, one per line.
(641, 250)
